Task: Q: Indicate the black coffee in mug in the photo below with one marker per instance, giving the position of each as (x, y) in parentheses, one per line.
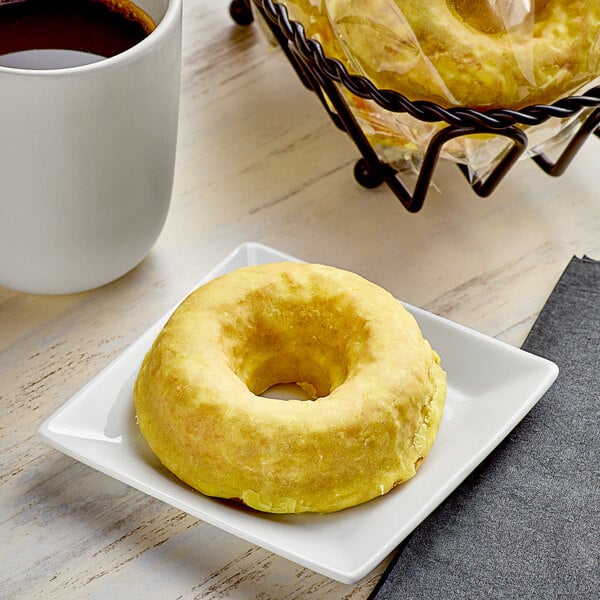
(54, 34)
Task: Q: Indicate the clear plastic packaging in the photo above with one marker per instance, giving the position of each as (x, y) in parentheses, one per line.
(480, 54)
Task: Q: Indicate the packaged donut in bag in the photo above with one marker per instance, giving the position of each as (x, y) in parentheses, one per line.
(481, 54)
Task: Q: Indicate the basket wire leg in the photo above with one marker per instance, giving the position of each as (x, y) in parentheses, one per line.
(589, 126)
(369, 171)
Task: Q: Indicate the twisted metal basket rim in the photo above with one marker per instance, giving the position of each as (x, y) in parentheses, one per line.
(312, 52)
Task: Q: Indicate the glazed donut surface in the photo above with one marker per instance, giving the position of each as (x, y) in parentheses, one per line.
(378, 389)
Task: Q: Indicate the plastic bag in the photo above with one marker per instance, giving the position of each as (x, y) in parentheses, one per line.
(476, 53)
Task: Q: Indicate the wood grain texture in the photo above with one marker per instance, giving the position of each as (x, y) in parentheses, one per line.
(258, 160)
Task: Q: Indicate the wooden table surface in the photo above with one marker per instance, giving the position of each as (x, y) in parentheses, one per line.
(258, 160)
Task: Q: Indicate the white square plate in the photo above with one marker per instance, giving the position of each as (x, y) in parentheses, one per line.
(491, 386)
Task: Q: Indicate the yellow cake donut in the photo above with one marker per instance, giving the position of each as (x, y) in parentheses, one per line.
(378, 389)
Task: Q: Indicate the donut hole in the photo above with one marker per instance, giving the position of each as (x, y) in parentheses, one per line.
(496, 16)
(290, 391)
(276, 341)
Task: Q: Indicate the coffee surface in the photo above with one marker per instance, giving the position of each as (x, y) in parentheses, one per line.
(52, 34)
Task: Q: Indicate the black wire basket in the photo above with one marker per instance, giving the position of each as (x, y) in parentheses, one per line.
(323, 75)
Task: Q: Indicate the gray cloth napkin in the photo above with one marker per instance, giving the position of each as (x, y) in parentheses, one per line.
(526, 523)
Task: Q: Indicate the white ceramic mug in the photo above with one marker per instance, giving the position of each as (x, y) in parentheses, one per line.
(87, 161)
